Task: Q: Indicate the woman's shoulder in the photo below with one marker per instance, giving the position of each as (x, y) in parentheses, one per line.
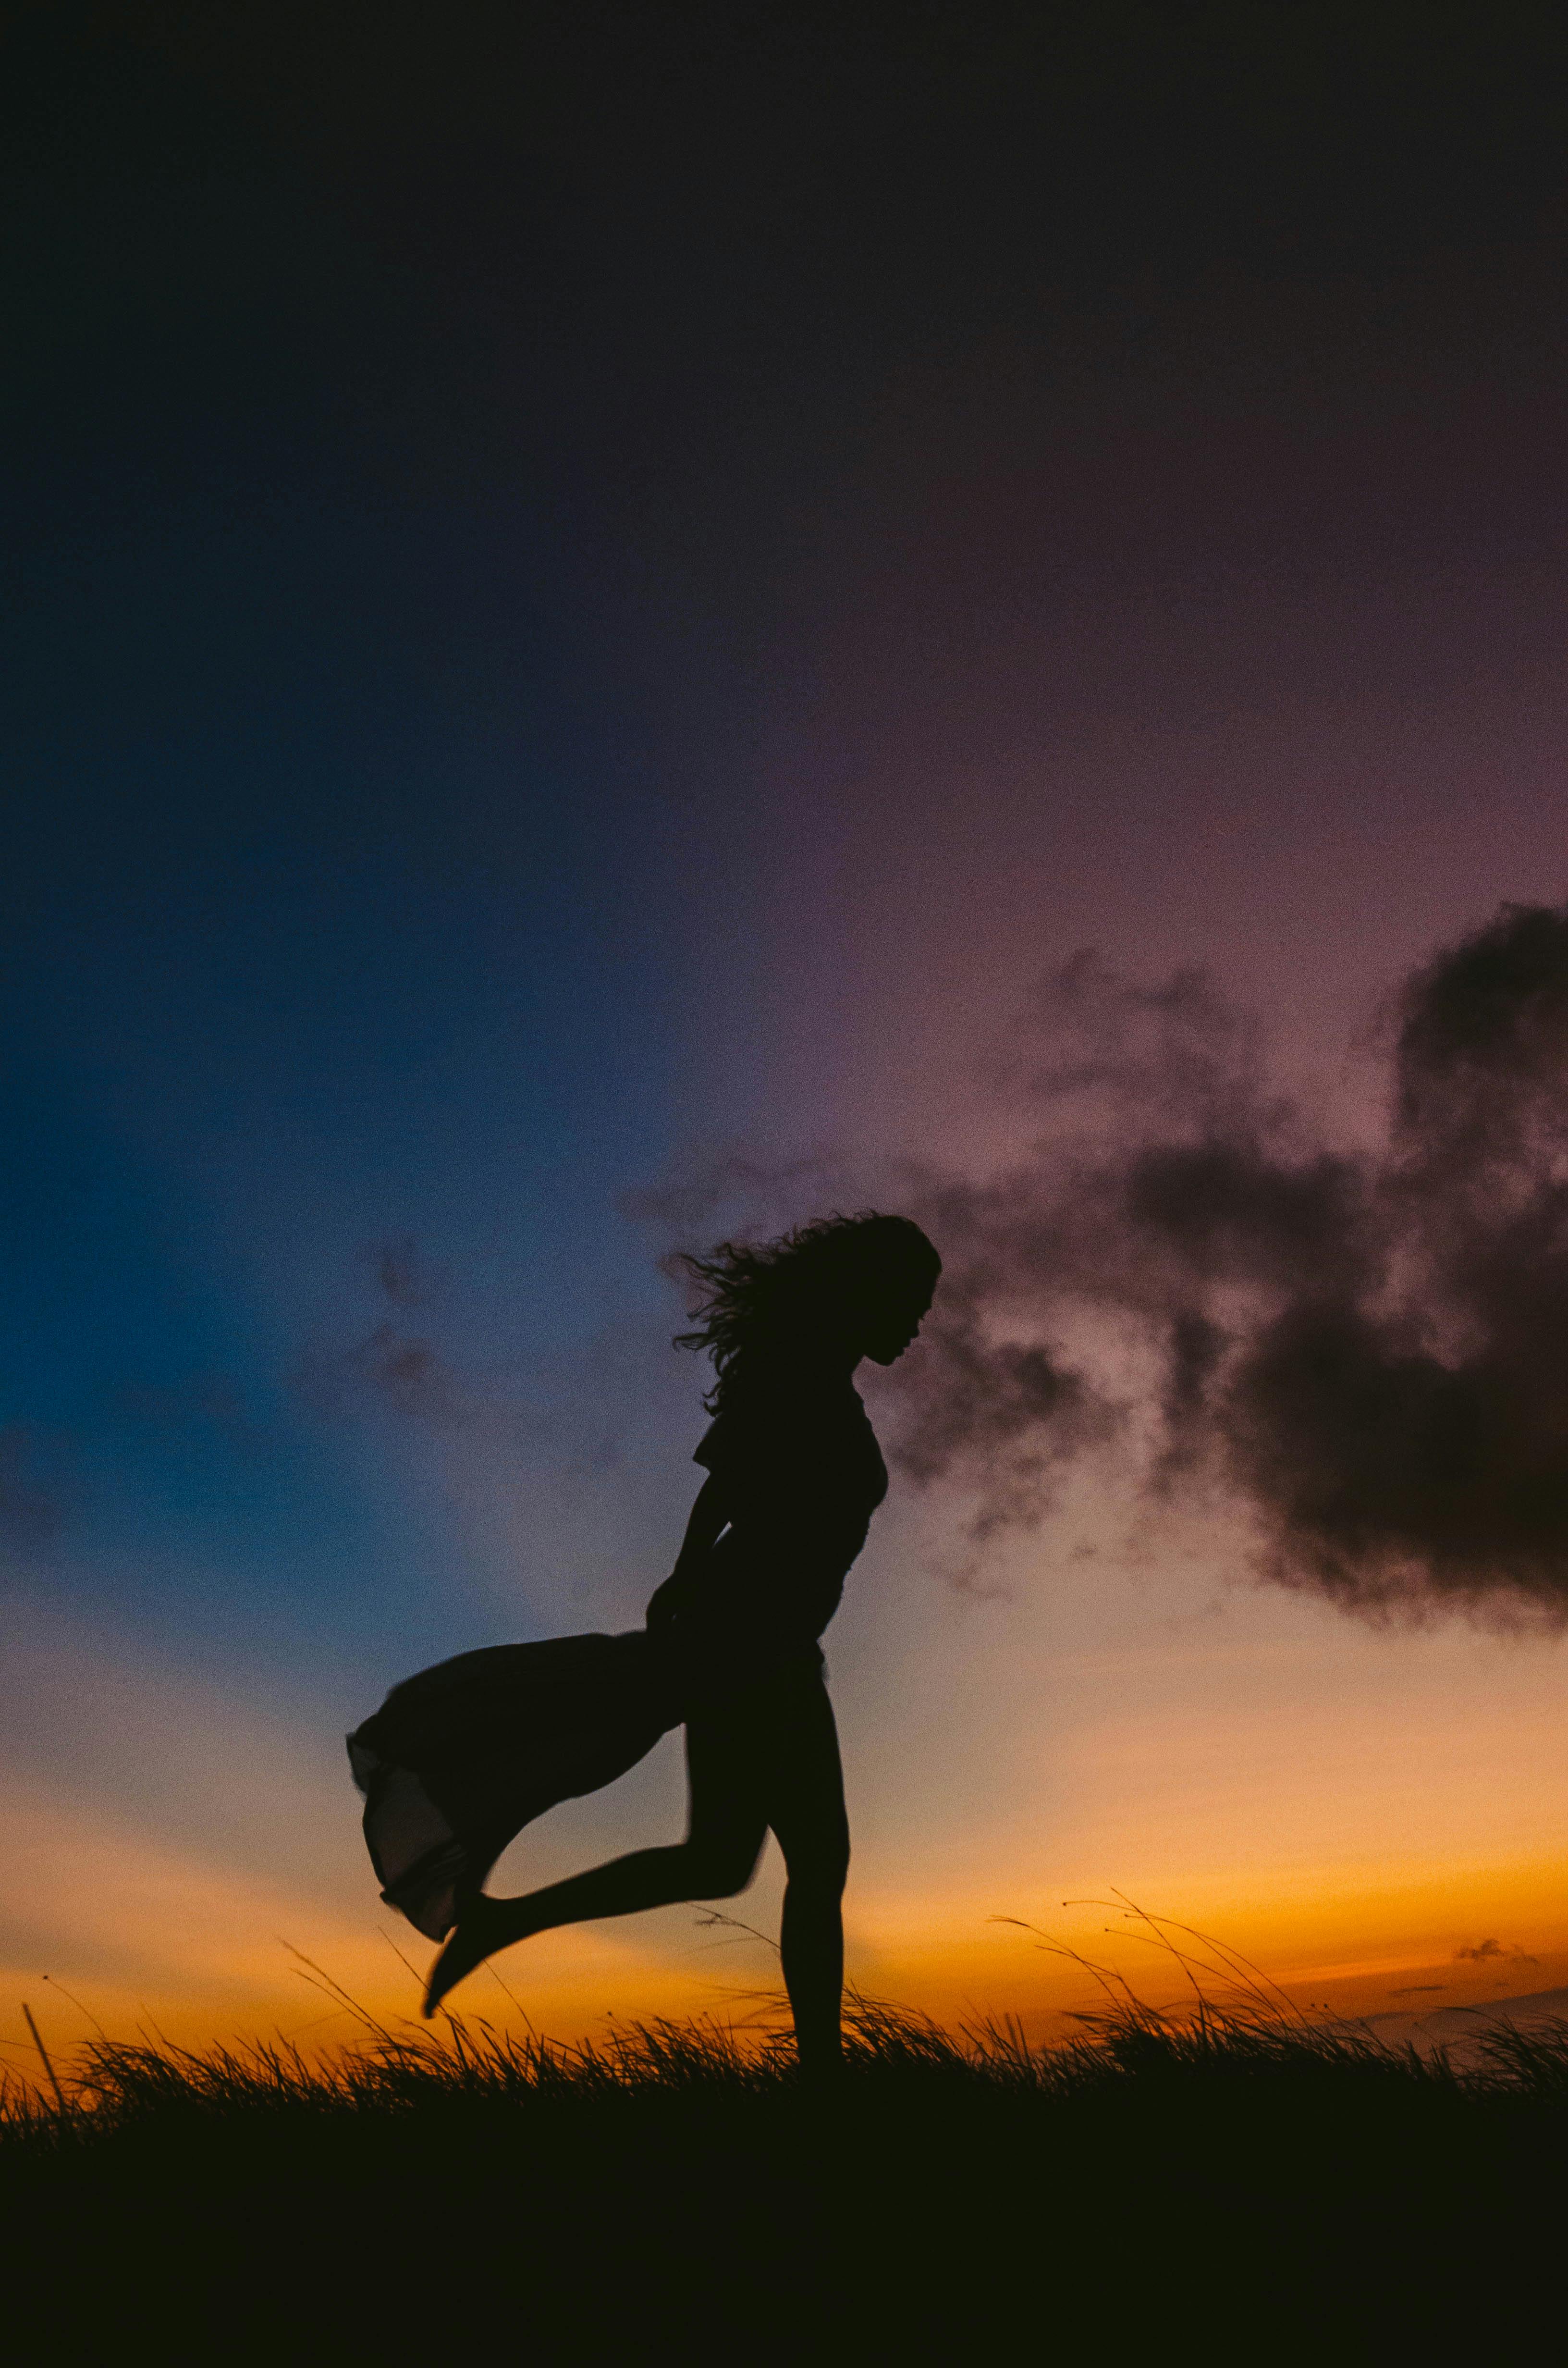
(783, 1414)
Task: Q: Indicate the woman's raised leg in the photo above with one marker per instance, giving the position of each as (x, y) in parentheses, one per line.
(726, 1827)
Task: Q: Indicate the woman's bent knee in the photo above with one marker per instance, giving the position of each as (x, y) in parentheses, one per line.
(720, 1878)
(821, 1879)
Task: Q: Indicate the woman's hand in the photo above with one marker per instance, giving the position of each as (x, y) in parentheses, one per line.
(668, 1603)
(709, 1516)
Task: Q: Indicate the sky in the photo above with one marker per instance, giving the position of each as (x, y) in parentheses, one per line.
(601, 603)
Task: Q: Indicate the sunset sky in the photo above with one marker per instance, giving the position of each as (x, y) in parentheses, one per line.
(596, 596)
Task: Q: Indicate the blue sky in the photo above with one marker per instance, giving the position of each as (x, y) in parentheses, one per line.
(613, 588)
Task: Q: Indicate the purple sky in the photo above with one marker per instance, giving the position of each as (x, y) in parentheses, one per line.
(596, 590)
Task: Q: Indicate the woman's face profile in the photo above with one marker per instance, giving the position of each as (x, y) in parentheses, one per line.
(898, 1309)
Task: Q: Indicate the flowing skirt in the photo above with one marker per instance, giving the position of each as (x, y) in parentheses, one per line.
(459, 1758)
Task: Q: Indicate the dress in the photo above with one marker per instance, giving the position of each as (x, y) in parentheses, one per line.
(461, 1757)
(801, 1475)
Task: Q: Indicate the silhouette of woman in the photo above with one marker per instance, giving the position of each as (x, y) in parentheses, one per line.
(794, 1475)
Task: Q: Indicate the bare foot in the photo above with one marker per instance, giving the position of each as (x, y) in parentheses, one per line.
(481, 1931)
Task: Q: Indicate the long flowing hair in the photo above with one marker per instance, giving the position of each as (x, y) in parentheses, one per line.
(753, 1297)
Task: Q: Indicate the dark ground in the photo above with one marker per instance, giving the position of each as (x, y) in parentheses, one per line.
(1226, 2191)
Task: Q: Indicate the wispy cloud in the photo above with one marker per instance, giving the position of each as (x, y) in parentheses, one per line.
(404, 1274)
(407, 1374)
(388, 1366)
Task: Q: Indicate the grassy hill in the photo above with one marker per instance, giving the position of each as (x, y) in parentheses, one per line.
(1233, 2185)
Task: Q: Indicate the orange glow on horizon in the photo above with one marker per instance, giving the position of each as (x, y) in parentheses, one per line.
(1351, 1810)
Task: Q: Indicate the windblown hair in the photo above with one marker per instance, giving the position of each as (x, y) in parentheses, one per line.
(762, 1295)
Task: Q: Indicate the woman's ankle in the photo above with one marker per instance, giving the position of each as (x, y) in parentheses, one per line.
(820, 2056)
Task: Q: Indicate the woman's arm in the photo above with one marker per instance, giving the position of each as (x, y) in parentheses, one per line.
(706, 1523)
(709, 1518)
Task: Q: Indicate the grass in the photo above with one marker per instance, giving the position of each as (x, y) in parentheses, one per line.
(1232, 2180)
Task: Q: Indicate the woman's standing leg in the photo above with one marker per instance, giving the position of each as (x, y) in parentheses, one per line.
(804, 1798)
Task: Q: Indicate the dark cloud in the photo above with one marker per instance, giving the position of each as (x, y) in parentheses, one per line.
(1371, 1350)
(1014, 1414)
(1367, 1350)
